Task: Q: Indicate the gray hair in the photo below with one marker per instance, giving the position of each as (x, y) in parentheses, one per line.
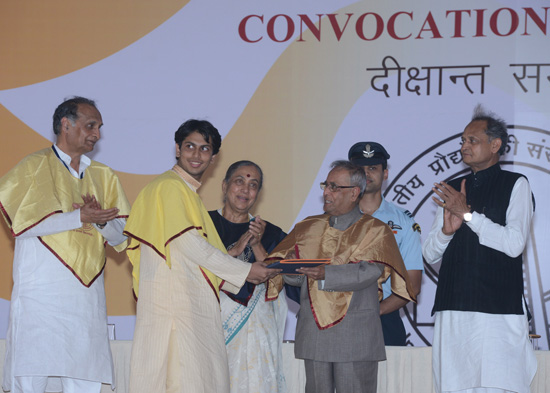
(496, 127)
(69, 109)
(357, 177)
(236, 165)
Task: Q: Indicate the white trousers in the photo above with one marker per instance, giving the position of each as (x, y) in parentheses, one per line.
(37, 384)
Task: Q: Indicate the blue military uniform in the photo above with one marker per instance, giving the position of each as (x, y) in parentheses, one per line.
(407, 235)
(406, 230)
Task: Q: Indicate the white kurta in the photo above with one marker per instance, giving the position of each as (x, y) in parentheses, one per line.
(479, 350)
(178, 340)
(57, 326)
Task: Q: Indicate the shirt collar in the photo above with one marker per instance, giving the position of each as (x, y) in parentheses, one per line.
(187, 178)
(346, 220)
(382, 206)
(84, 162)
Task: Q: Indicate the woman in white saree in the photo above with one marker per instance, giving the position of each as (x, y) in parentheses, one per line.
(253, 328)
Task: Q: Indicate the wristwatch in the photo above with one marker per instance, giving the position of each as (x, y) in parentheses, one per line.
(467, 217)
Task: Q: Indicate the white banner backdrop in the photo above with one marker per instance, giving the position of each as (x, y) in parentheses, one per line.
(328, 74)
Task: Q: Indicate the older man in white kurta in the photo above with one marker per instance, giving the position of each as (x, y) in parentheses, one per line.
(57, 337)
(481, 228)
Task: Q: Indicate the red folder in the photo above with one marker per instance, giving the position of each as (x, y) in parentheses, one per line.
(289, 266)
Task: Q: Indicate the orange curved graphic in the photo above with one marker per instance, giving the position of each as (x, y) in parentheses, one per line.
(41, 40)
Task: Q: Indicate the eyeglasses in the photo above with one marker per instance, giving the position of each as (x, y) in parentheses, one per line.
(333, 187)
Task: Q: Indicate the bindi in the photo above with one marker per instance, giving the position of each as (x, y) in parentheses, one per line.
(248, 175)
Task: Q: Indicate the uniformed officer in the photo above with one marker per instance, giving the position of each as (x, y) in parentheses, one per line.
(374, 159)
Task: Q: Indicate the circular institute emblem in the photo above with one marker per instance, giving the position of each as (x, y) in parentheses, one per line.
(527, 152)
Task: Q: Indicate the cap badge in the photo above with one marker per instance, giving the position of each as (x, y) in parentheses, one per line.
(368, 153)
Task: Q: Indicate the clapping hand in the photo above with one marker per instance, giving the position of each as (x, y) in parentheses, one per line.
(256, 229)
(454, 204)
(91, 211)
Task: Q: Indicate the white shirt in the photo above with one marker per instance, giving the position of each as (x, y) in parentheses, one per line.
(509, 239)
(474, 349)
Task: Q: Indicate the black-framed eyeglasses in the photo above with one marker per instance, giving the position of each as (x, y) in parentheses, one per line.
(333, 187)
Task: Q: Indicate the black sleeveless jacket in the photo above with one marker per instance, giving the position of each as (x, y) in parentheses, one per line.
(475, 277)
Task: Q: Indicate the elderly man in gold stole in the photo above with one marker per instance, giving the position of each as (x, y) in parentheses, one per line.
(338, 333)
(53, 202)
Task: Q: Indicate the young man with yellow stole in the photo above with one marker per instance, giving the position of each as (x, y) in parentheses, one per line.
(179, 265)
